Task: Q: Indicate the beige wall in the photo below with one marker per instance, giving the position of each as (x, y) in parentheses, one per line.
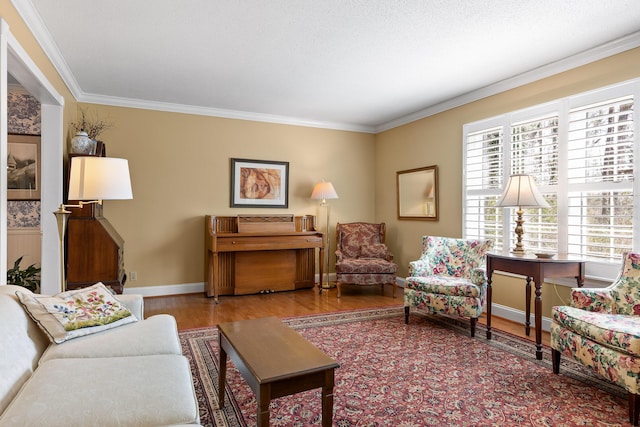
(437, 140)
(180, 171)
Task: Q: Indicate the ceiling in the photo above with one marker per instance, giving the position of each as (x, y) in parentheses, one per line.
(364, 65)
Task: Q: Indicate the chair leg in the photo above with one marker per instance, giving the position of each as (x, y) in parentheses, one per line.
(634, 408)
(395, 286)
(338, 288)
(473, 326)
(555, 360)
(406, 315)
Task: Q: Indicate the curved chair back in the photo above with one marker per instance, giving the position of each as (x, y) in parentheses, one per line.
(454, 257)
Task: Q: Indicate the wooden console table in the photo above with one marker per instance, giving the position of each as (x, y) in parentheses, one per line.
(256, 253)
(537, 268)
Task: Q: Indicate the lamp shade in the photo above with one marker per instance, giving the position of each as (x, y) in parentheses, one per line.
(323, 191)
(99, 178)
(521, 190)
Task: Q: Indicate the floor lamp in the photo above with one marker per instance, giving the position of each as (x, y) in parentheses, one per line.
(323, 191)
(92, 180)
(521, 190)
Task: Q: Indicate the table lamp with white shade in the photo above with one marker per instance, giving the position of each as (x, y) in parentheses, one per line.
(521, 191)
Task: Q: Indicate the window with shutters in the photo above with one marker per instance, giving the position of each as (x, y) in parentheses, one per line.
(581, 152)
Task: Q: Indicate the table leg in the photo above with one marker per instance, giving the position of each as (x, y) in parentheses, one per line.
(489, 301)
(527, 320)
(538, 315)
(327, 399)
(222, 375)
(263, 398)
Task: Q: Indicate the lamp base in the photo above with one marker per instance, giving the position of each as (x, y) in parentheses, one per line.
(519, 230)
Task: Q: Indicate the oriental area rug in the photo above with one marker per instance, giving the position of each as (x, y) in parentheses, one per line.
(427, 373)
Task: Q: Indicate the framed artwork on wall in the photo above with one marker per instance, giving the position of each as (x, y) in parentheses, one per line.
(259, 183)
(23, 167)
(418, 193)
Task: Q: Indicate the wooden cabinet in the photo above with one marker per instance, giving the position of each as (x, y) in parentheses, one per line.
(255, 253)
(94, 249)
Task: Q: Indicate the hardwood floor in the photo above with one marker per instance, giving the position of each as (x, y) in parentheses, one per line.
(196, 310)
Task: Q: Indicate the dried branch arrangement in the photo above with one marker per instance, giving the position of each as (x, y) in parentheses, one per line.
(92, 126)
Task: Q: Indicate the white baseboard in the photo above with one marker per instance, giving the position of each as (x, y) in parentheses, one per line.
(503, 311)
(157, 291)
(184, 288)
(518, 316)
(191, 288)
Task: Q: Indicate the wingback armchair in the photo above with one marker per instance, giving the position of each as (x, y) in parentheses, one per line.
(601, 330)
(448, 278)
(362, 258)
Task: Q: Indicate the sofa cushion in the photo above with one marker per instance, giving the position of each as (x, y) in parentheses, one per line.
(116, 391)
(366, 266)
(155, 335)
(22, 344)
(445, 285)
(617, 331)
(76, 313)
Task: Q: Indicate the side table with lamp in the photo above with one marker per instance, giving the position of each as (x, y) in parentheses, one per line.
(521, 190)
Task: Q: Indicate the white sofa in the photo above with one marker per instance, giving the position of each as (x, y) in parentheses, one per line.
(131, 375)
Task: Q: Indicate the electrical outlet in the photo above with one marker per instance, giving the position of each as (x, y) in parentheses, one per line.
(133, 276)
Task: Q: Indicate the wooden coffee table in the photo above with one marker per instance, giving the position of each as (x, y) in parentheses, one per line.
(275, 361)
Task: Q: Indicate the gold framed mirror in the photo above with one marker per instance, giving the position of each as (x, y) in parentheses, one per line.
(417, 191)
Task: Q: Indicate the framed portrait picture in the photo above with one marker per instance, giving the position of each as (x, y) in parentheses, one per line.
(259, 183)
(23, 167)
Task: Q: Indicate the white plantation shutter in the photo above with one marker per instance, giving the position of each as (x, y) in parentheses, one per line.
(534, 151)
(581, 152)
(600, 179)
(484, 176)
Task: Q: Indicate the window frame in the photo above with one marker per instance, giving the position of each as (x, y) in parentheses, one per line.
(597, 272)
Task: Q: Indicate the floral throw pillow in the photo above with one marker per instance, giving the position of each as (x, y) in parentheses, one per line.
(76, 313)
(376, 250)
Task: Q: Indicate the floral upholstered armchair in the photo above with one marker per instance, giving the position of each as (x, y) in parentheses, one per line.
(362, 258)
(601, 330)
(448, 278)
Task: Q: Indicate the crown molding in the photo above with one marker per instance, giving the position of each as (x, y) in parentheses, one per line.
(30, 16)
(222, 113)
(605, 50)
(33, 21)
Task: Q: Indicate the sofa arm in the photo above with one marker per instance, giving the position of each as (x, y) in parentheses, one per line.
(135, 304)
(478, 276)
(419, 268)
(593, 299)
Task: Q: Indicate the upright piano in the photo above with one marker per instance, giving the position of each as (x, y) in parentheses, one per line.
(247, 254)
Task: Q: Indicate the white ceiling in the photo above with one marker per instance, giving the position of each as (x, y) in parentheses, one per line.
(365, 65)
